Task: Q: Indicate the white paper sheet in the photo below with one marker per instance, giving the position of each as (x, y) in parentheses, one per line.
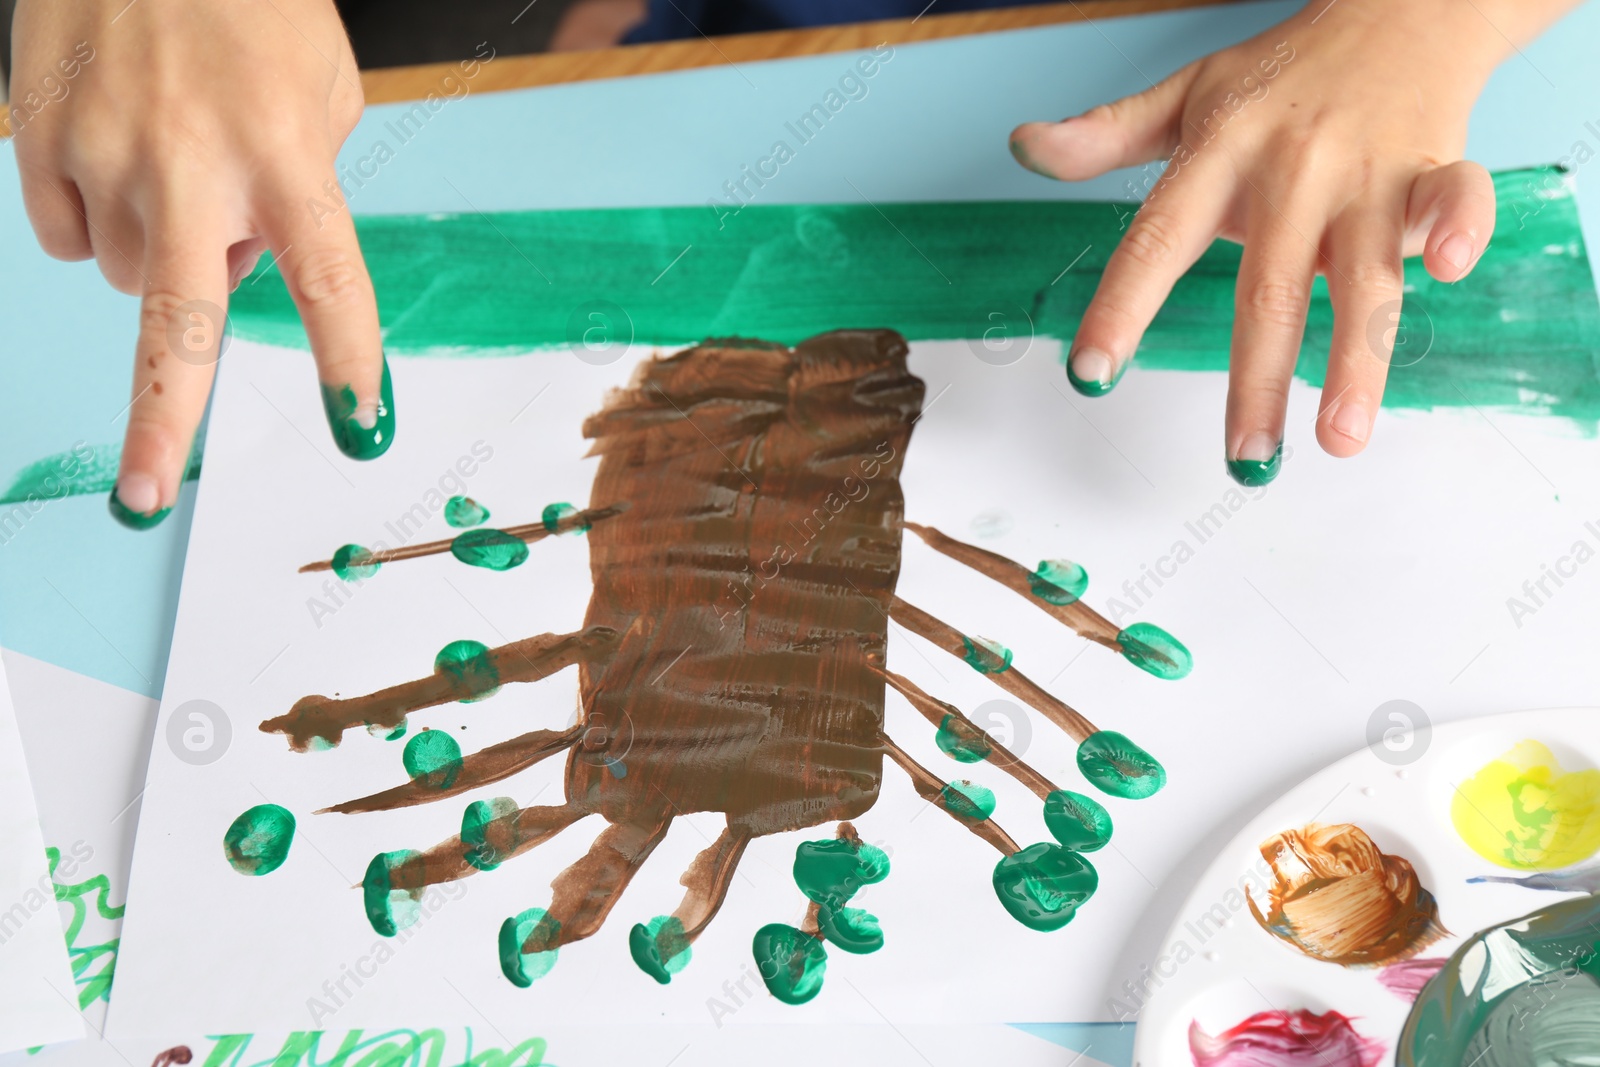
(37, 999)
(1306, 605)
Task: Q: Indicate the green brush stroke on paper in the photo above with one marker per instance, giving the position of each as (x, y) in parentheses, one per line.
(1522, 332)
(92, 984)
(358, 1048)
(81, 470)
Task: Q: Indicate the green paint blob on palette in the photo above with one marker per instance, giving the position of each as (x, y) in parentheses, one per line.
(523, 967)
(475, 823)
(353, 563)
(1043, 885)
(471, 669)
(390, 909)
(1076, 821)
(433, 759)
(1059, 581)
(961, 741)
(258, 841)
(1119, 767)
(660, 947)
(554, 513)
(967, 800)
(493, 550)
(985, 656)
(790, 961)
(463, 511)
(1152, 649)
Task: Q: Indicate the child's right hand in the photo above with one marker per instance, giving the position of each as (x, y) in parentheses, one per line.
(190, 137)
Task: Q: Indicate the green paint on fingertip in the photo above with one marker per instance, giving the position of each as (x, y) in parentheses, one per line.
(1117, 766)
(961, 740)
(1254, 473)
(851, 929)
(554, 513)
(389, 909)
(1076, 821)
(354, 563)
(134, 520)
(475, 823)
(831, 871)
(790, 961)
(984, 655)
(493, 550)
(258, 841)
(521, 966)
(355, 440)
(967, 800)
(660, 947)
(432, 759)
(1154, 651)
(1058, 581)
(1093, 386)
(471, 669)
(1043, 885)
(463, 511)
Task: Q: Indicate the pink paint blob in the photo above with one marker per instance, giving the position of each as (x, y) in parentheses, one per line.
(1406, 979)
(1296, 1038)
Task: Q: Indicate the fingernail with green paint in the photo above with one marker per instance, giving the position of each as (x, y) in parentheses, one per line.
(361, 431)
(1093, 372)
(1258, 461)
(136, 502)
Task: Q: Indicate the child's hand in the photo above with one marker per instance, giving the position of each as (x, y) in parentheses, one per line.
(1329, 145)
(189, 137)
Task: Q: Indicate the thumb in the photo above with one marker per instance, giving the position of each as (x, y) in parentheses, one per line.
(1135, 129)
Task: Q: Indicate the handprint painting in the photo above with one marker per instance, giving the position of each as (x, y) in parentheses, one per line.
(744, 533)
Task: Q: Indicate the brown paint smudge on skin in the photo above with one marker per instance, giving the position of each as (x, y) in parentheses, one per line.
(1338, 898)
(527, 532)
(1084, 620)
(930, 787)
(1011, 680)
(935, 710)
(325, 719)
(481, 768)
(155, 387)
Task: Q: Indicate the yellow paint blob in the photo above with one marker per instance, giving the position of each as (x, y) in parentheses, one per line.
(1523, 811)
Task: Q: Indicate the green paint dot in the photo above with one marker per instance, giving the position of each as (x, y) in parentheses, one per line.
(257, 842)
(470, 667)
(475, 823)
(1076, 821)
(493, 550)
(433, 759)
(1058, 581)
(463, 511)
(520, 967)
(985, 656)
(1118, 766)
(388, 733)
(660, 947)
(961, 741)
(791, 962)
(554, 513)
(1152, 649)
(1043, 885)
(390, 910)
(353, 563)
(967, 800)
(831, 871)
(851, 929)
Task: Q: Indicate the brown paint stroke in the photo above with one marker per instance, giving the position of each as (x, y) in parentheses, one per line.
(510, 835)
(708, 878)
(930, 787)
(326, 719)
(177, 1054)
(1083, 619)
(492, 764)
(528, 532)
(1338, 898)
(1011, 680)
(934, 710)
(584, 894)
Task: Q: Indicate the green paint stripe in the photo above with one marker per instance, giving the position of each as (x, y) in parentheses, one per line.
(79, 471)
(1520, 333)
